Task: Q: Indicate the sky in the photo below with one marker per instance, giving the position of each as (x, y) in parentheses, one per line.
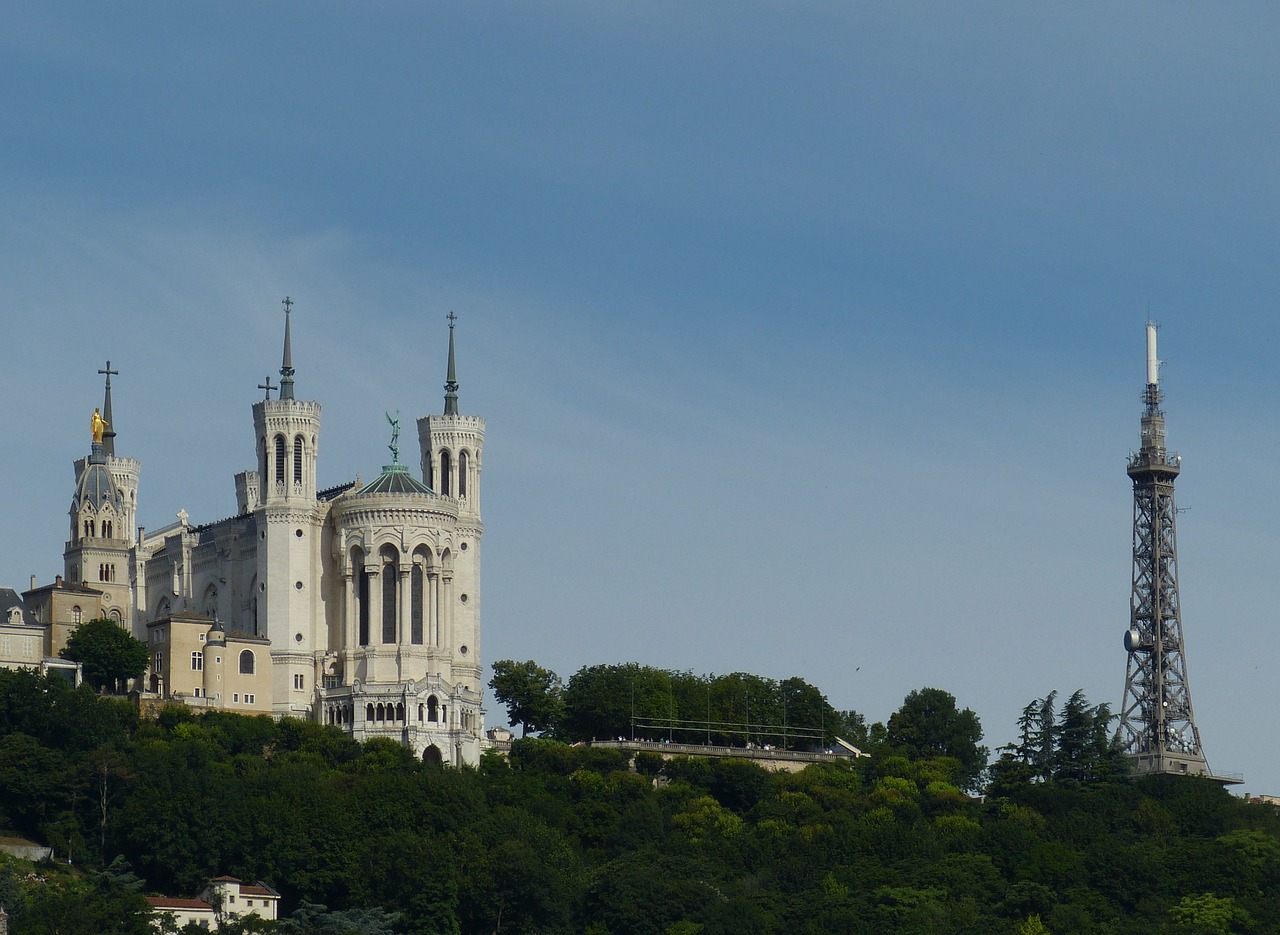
(809, 335)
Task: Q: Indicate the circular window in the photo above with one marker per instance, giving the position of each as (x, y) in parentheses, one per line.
(463, 547)
(298, 533)
(298, 585)
(297, 637)
(463, 650)
(463, 598)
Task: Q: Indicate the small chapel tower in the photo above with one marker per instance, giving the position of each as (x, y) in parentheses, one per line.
(99, 552)
(288, 520)
(452, 446)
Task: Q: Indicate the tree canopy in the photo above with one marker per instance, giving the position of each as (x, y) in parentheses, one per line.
(572, 837)
(532, 694)
(106, 652)
(931, 724)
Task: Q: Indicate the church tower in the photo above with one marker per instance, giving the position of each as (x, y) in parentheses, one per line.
(452, 446)
(99, 553)
(288, 519)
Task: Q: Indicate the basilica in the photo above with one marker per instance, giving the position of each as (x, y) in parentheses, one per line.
(356, 605)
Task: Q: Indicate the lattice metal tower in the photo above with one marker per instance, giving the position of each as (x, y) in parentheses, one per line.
(1157, 728)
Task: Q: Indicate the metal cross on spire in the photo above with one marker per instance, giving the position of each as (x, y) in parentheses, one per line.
(266, 385)
(108, 436)
(287, 303)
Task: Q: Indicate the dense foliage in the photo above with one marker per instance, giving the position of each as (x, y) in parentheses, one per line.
(604, 702)
(107, 654)
(562, 838)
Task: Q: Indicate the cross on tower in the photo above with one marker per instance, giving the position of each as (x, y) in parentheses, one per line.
(287, 303)
(452, 318)
(268, 387)
(109, 372)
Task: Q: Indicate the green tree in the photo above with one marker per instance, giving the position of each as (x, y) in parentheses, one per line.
(534, 696)
(929, 724)
(108, 654)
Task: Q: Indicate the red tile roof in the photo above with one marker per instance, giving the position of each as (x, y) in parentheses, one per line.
(167, 902)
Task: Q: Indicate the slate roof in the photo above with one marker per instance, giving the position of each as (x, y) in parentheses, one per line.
(9, 598)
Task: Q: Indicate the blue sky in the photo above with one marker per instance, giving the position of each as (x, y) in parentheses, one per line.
(809, 335)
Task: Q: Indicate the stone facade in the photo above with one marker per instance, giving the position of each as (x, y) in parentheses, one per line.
(359, 604)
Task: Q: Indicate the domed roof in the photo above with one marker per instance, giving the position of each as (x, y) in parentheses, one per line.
(95, 486)
(395, 478)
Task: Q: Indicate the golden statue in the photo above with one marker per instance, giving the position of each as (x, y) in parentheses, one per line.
(98, 425)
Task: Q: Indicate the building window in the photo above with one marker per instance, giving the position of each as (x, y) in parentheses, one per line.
(159, 663)
(236, 697)
(106, 529)
(195, 693)
(297, 460)
(446, 472)
(280, 454)
(433, 709)
(4, 645)
(197, 661)
(248, 699)
(362, 598)
(389, 603)
(246, 663)
(202, 637)
(462, 473)
(76, 614)
(415, 604)
(299, 682)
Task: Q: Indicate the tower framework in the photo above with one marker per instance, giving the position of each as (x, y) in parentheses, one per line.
(1157, 725)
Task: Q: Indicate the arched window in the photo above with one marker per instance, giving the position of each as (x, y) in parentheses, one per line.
(116, 617)
(106, 529)
(297, 459)
(390, 585)
(246, 662)
(362, 597)
(400, 711)
(415, 603)
(280, 459)
(446, 471)
(462, 473)
(368, 714)
(76, 614)
(421, 712)
(433, 709)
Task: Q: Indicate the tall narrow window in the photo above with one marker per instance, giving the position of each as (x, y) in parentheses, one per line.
(362, 597)
(280, 459)
(197, 662)
(389, 603)
(106, 529)
(415, 609)
(76, 614)
(246, 662)
(297, 460)
(446, 473)
(433, 709)
(463, 460)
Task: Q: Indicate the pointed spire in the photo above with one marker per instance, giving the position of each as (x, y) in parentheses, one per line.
(286, 365)
(109, 436)
(451, 380)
